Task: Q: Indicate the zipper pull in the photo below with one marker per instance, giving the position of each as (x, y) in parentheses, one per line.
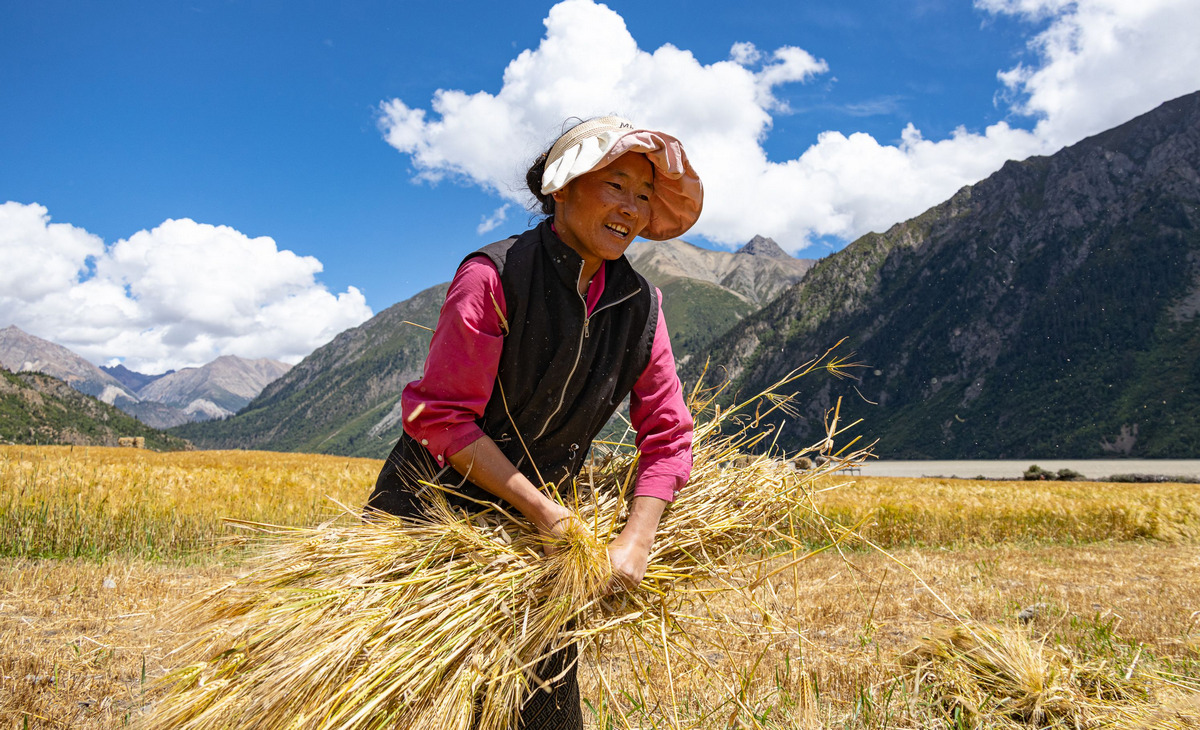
(585, 326)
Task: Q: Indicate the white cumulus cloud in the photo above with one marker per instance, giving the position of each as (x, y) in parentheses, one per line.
(1101, 62)
(493, 221)
(180, 294)
(1096, 64)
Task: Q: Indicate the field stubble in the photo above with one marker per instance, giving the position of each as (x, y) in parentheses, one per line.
(1108, 572)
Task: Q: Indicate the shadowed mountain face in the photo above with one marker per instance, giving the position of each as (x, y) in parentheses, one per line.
(132, 379)
(1049, 310)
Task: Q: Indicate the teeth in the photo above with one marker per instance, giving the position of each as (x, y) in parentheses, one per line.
(618, 229)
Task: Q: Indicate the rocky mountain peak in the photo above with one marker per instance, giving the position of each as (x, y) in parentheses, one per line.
(132, 379)
(21, 351)
(229, 381)
(763, 246)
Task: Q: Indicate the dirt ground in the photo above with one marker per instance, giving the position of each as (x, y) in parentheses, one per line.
(81, 642)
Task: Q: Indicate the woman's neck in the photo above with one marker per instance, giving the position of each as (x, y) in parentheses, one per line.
(590, 264)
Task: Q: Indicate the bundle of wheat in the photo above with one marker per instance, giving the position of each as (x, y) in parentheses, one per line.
(393, 622)
(996, 677)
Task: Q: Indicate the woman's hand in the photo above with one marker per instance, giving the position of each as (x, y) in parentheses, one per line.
(629, 553)
(629, 559)
(484, 464)
(552, 523)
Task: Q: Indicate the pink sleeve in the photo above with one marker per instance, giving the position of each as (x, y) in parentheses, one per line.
(663, 423)
(440, 409)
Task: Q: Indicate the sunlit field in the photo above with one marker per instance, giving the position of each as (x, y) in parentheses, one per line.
(960, 512)
(63, 501)
(1092, 589)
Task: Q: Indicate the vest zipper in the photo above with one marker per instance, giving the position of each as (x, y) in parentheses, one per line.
(579, 352)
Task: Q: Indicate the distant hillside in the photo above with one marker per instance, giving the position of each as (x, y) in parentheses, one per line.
(21, 351)
(1049, 310)
(39, 409)
(705, 292)
(218, 389)
(341, 399)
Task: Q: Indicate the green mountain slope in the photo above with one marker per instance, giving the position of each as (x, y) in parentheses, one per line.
(342, 398)
(698, 312)
(706, 292)
(1049, 310)
(39, 409)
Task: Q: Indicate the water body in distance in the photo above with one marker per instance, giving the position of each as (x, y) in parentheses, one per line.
(1095, 469)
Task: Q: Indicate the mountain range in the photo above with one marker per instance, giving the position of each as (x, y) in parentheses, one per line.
(344, 398)
(215, 390)
(341, 399)
(1050, 310)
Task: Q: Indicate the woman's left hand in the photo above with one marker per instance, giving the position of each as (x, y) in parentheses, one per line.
(629, 560)
(629, 553)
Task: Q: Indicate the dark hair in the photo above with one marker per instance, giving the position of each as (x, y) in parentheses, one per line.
(533, 176)
(533, 180)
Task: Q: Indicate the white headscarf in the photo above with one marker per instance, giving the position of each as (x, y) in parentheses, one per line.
(678, 193)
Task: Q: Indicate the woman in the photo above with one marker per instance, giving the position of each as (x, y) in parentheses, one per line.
(541, 338)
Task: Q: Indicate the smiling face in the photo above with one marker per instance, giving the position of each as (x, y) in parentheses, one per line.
(599, 213)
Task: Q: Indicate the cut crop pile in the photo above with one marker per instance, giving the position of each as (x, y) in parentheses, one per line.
(393, 622)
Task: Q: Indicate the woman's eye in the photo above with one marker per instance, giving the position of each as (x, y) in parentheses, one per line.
(644, 197)
(616, 186)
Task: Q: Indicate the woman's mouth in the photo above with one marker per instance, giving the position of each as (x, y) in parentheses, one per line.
(618, 229)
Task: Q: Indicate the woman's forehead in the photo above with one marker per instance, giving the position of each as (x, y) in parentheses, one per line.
(632, 165)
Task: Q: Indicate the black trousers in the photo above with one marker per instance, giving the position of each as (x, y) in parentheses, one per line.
(558, 709)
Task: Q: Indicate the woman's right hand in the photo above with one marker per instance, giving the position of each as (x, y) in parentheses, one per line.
(552, 523)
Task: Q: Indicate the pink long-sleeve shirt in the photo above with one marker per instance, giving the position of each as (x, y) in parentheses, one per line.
(441, 410)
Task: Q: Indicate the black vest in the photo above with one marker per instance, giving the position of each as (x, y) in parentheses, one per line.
(562, 374)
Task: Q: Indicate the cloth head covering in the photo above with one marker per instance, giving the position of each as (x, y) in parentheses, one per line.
(678, 193)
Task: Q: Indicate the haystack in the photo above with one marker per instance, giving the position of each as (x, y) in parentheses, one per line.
(393, 622)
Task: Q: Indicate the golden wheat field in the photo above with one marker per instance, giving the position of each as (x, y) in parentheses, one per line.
(1082, 599)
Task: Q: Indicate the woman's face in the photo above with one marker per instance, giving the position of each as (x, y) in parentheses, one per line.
(599, 213)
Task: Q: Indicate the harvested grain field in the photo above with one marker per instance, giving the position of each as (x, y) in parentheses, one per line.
(77, 654)
(1102, 581)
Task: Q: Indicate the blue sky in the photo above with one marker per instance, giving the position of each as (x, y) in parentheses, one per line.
(315, 124)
